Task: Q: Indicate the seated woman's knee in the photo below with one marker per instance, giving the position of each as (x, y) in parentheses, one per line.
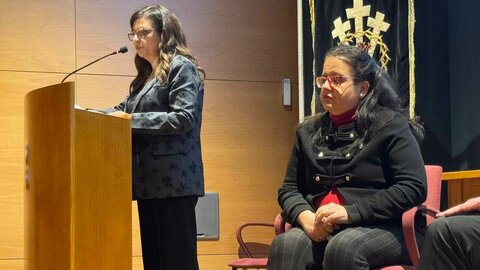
(287, 242)
(343, 247)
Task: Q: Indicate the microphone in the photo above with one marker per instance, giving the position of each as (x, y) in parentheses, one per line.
(122, 50)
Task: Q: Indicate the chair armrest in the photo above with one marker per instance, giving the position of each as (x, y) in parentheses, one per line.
(240, 241)
(408, 225)
(281, 225)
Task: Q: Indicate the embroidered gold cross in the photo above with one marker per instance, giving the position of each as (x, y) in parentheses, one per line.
(340, 28)
(377, 24)
(357, 13)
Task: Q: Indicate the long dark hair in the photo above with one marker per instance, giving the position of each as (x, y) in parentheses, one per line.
(172, 42)
(381, 94)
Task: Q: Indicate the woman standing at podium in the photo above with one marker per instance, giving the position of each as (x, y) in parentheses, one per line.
(165, 105)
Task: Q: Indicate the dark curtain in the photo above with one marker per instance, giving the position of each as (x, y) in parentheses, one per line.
(432, 80)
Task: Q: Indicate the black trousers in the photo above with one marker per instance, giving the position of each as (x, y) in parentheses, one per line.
(168, 233)
(452, 243)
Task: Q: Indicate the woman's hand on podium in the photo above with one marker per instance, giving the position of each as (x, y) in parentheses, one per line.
(121, 114)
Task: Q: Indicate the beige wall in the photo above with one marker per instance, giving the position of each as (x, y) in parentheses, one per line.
(246, 46)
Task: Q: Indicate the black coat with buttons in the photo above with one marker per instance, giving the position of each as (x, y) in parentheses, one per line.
(378, 179)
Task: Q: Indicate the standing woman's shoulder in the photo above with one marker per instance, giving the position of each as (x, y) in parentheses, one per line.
(179, 59)
(183, 67)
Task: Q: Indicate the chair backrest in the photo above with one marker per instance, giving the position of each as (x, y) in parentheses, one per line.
(434, 187)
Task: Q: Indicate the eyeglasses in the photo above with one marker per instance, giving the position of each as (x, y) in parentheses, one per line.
(336, 80)
(140, 33)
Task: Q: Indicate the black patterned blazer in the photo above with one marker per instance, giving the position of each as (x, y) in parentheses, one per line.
(166, 123)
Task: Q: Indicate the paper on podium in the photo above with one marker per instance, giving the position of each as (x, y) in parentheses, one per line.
(78, 107)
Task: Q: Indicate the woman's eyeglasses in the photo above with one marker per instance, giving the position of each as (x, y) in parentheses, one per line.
(336, 80)
(140, 33)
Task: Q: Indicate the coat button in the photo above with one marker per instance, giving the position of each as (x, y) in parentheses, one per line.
(326, 138)
(347, 177)
(320, 154)
(317, 178)
(351, 136)
(347, 155)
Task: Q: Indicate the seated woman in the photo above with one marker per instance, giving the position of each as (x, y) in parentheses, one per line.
(353, 171)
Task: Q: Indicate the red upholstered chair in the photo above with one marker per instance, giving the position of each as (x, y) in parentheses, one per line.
(430, 207)
(251, 262)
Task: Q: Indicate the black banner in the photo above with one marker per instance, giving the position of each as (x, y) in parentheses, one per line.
(381, 25)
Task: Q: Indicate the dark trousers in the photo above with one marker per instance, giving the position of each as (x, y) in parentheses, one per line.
(350, 249)
(452, 243)
(169, 233)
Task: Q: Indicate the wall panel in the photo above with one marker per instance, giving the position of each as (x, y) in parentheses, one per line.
(13, 87)
(94, 91)
(247, 138)
(15, 264)
(105, 34)
(37, 35)
(234, 40)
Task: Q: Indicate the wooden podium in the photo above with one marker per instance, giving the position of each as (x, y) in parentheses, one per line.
(77, 185)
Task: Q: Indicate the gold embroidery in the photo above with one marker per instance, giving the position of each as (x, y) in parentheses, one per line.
(384, 59)
(341, 28)
(357, 13)
(377, 24)
(313, 105)
(411, 58)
